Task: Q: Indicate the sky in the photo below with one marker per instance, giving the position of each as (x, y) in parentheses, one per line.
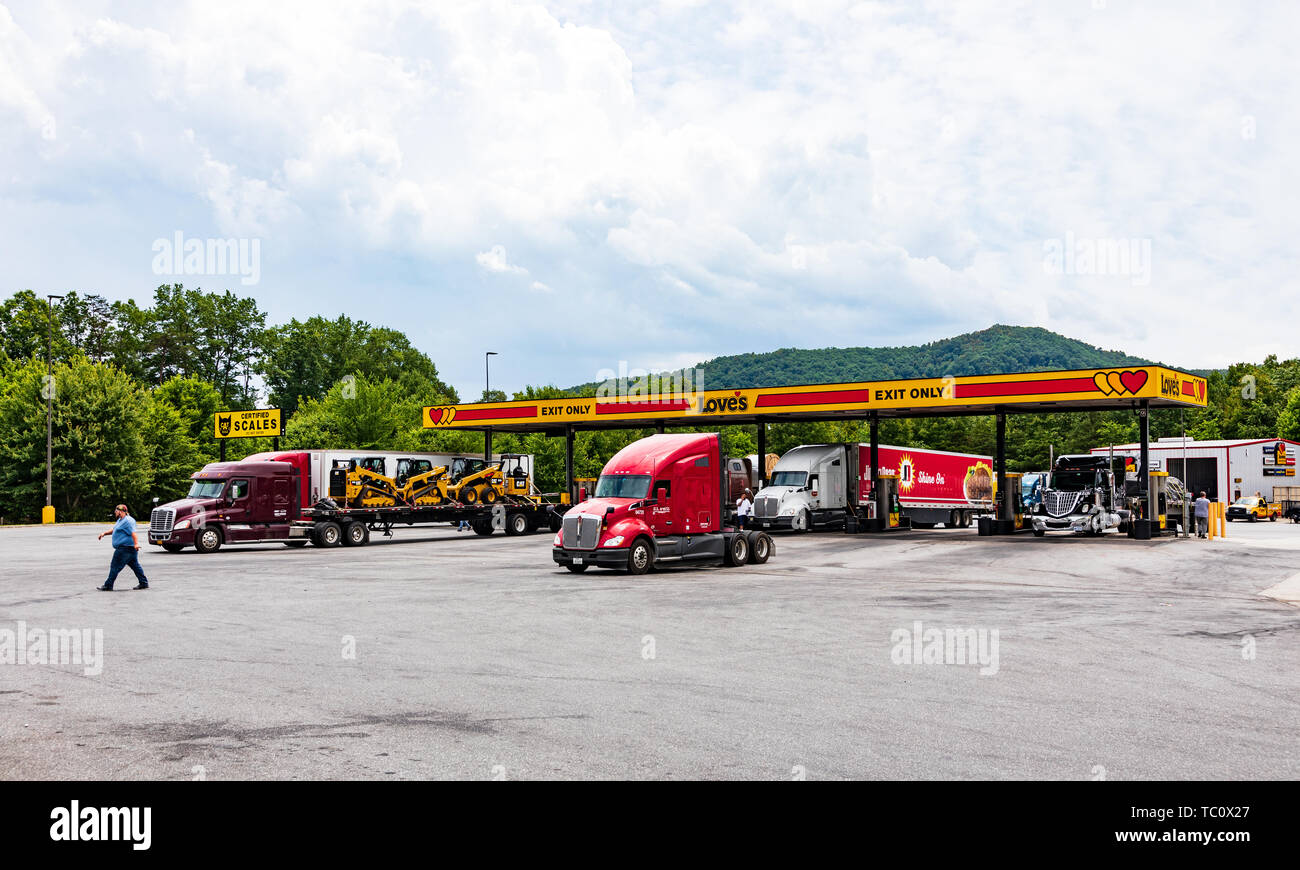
(576, 185)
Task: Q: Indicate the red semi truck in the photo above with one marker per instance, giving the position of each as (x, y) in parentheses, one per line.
(661, 500)
(817, 485)
(269, 498)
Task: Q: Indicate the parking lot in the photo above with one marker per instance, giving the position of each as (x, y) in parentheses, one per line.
(446, 655)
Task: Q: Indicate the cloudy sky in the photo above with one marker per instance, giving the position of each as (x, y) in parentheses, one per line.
(577, 184)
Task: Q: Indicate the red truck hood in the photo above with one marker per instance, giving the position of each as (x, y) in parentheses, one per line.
(598, 506)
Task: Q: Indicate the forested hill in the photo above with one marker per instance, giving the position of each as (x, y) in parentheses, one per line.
(990, 351)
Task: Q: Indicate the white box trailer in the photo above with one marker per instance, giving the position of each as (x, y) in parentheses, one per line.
(1224, 469)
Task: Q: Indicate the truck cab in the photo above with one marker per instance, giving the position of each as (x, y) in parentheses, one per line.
(661, 499)
(229, 502)
(1084, 494)
(807, 489)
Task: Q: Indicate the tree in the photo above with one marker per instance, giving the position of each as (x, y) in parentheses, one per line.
(359, 413)
(1288, 422)
(100, 455)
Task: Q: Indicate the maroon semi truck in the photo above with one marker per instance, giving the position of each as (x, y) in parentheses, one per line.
(661, 500)
(267, 499)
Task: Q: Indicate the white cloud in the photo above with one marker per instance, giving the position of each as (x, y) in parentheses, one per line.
(495, 260)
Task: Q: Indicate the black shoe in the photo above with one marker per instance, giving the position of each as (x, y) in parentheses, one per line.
(104, 588)
(141, 586)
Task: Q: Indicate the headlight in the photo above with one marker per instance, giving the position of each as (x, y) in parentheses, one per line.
(183, 524)
(786, 512)
(559, 539)
(615, 541)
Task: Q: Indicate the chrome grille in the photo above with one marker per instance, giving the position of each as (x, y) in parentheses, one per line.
(1059, 504)
(767, 507)
(162, 520)
(581, 531)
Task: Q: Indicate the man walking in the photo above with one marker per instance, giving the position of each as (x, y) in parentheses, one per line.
(1202, 516)
(126, 548)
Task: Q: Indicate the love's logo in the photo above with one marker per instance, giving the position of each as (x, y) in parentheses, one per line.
(441, 416)
(1120, 383)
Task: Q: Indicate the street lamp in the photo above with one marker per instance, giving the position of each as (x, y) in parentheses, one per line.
(47, 514)
(487, 389)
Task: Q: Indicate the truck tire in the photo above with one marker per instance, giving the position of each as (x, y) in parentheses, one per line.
(1038, 533)
(327, 534)
(300, 542)
(208, 540)
(1272, 518)
(555, 521)
(736, 551)
(356, 534)
(173, 548)
(640, 556)
(517, 523)
(481, 527)
(760, 547)
(803, 521)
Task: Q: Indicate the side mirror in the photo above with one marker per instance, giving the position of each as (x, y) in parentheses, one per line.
(582, 493)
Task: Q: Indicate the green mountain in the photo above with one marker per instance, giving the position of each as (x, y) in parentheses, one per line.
(995, 350)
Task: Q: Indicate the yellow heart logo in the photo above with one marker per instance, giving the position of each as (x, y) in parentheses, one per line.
(1100, 380)
(1116, 383)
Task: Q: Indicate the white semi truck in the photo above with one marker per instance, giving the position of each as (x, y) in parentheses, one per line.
(817, 485)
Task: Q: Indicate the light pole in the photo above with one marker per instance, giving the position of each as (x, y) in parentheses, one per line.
(47, 514)
(487, 388)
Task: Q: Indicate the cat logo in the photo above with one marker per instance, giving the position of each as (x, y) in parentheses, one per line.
(223, 425)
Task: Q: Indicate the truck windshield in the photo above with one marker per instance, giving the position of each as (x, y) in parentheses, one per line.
(1248, 501)
(1073, 480)
(788, 478)
(207, 488)
(623, 486)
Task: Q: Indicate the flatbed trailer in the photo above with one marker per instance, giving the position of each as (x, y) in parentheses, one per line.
(351, 527)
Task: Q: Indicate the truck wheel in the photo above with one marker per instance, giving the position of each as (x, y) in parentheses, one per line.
(760, 547)
(576, 569)
(639, 557)
(208, 540)
(1272, 518)
(554, 521)
(1252, 518)
(300, 542)
(1038, 533)
(173, 548)
(736, 552)
(481, 528)
(356, 534)
(517, 523)
(327, 534)
(469, 495)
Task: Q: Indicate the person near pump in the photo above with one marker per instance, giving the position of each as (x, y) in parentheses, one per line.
(745, 509)
(126, 550)
(1202, 516)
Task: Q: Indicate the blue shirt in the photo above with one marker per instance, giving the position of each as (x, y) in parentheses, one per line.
(122, 532)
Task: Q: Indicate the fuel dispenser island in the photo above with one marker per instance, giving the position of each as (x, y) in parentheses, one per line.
(1012, 506)
(1151, 513)
(885, 509)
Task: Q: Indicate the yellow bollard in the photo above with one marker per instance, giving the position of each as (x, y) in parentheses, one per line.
(1218, 524)
(47, 514)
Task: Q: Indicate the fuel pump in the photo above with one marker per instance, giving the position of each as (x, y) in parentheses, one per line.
(1157, 507)
(1013, 508)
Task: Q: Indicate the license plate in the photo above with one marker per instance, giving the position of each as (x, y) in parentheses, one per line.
(577, 561)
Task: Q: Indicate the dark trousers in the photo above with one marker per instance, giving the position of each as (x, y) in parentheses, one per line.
(124, 557)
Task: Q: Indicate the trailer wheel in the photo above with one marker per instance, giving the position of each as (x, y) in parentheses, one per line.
(327, 534)
(736, 551)
(760, 547)
(300, 542)
(173, 548)
(356, 534)
(517, 523)
(639, 557)
(208, 540)
(481, 527)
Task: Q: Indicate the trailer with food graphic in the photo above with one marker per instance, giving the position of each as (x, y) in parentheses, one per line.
(822, 485)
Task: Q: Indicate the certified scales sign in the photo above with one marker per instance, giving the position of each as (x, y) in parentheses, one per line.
(263, 423)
